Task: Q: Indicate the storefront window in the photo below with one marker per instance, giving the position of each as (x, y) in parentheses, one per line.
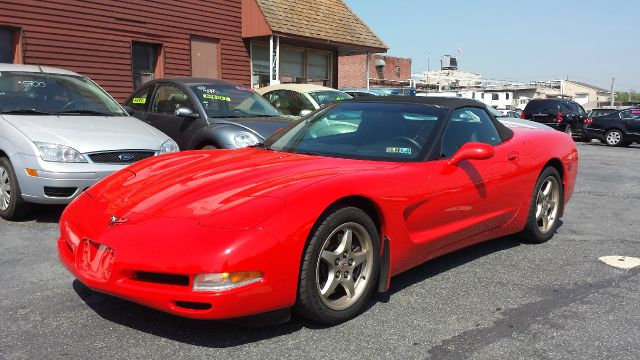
(291, 65)
(6, 46)
(317, 68)
(144, 62)
(260, 61)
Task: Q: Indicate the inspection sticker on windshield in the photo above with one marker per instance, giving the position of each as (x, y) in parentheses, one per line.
(216, 97)
(399, 150)
(139, 100)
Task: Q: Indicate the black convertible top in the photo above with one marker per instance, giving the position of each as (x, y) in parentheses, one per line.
(447, 102)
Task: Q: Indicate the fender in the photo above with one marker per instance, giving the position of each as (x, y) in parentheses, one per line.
(219, 134)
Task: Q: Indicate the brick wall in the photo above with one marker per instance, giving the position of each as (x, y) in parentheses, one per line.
(352, 73)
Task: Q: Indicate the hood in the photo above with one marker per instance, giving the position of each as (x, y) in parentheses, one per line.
(195, 183)
(89, 133)
(263, 126)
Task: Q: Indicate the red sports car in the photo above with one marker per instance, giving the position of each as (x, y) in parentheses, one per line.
(320, 216)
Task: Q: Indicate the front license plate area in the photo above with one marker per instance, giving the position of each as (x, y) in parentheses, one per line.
(94, 260)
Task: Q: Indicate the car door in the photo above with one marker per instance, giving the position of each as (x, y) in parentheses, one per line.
(467, 201)
(139, 102)
(631, 120)
(166, 99)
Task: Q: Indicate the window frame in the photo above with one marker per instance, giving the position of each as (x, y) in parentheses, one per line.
(156, 90)
(487, 119)
(157, 63)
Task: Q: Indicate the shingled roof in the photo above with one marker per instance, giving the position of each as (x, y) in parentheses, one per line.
(329, 20)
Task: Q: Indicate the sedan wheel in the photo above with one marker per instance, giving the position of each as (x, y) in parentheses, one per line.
(12, 206)
(340, 267)
(614, 138)
(544, 212)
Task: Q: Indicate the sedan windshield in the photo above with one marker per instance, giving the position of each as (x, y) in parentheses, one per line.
(221, 101)
(372, 131)
(53, 94)
(325, 97)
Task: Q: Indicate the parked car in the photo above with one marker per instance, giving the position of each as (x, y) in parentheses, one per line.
(200, 113)
(300, 99)
(313, 222)
(601, 112)
(356, 93)
(59, 134)
(560, 114)
(620, 128)
(510, 113)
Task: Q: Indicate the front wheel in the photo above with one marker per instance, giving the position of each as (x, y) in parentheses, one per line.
(544, 212)
(339, 268)
(12, 206)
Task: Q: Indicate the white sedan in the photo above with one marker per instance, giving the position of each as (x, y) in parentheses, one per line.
(300, 99)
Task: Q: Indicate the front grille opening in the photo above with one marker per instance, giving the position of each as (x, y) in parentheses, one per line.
(160, 278)
(193, 305)
(120, 157)
(59, 192)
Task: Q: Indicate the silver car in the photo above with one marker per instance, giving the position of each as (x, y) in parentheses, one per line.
(59, 134)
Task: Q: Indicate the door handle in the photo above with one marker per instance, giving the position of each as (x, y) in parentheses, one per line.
(513, 156)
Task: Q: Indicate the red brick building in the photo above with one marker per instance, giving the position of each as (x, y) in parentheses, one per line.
(384, 71)
(123, 43)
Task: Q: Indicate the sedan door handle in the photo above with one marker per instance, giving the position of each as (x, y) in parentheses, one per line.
(513, 156)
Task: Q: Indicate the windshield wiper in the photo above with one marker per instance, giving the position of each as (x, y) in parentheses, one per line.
(312, 153)
(25, 111)
(84, 112)
(261, 146)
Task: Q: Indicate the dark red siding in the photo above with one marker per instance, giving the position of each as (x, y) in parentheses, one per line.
(93, 37)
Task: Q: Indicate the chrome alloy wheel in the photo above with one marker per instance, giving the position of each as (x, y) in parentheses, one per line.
(344, 266)
(5, 189)
(547, 204)
(614, 137)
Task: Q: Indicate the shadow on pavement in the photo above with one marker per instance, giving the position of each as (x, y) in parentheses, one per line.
(216, 334)
(43, 213)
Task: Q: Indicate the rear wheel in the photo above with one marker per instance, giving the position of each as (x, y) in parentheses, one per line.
(340, 267)
(614, 137)
(12, 206)
(544, 212)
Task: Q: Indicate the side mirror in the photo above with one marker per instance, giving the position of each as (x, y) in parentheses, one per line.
(128, 109)
(185, 112)
(305, 112)
(472, 151)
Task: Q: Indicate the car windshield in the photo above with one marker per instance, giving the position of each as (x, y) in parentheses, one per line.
(368, 131)
(221, 101)
(53, 94)
(325, 97)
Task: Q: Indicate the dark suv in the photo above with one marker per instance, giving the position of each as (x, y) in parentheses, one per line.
(561, 114)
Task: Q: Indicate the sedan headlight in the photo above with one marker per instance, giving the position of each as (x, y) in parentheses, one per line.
(225, 281)
(244, 138)
(169, 146)
(59, 153)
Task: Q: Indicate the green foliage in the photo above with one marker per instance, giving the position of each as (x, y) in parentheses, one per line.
(626, 97)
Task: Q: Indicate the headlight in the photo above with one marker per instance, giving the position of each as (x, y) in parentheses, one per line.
(225, 281)
(169, 146)
(244, 138)
(59, 153)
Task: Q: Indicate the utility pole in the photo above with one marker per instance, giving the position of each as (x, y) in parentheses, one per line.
(613, 95)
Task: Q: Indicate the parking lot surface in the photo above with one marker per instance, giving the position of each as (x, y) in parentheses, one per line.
(497, 300)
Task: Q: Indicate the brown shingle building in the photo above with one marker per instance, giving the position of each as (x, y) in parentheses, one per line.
(122, 44)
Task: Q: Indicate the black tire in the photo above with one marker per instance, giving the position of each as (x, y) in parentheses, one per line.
(614, 137)
(532, 232)
(328, 309)
(17, 207)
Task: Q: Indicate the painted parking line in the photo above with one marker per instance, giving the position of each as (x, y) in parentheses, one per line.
(621, 262)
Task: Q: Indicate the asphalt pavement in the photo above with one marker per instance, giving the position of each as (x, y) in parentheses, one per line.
(497, 300)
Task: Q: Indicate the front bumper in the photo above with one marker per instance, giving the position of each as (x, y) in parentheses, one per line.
(72, 177)
(173, 249)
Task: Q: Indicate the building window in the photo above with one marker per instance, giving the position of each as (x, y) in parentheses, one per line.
(494, 97)
(507, 94)
(297, 65)
(144, 59)
(10, 50)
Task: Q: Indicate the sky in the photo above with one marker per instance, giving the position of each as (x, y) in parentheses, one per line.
(591, 41)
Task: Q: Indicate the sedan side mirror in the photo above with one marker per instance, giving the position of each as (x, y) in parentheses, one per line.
(185, 112)
(472, 151)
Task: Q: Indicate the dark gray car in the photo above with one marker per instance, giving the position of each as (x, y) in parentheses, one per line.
(200, 113)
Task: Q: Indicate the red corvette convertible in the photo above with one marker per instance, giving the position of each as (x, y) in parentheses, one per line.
(320, 216)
